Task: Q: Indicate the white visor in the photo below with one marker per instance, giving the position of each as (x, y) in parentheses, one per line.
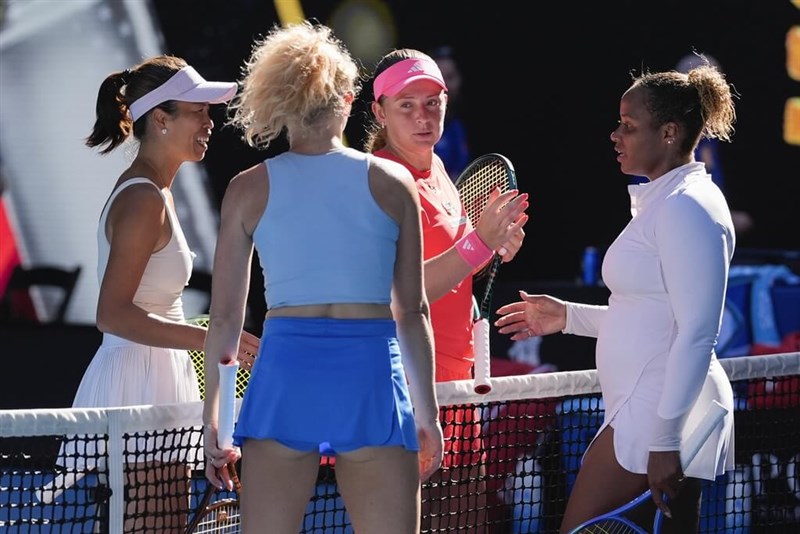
(186, 85)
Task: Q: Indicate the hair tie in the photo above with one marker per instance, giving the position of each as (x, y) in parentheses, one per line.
(126, 74)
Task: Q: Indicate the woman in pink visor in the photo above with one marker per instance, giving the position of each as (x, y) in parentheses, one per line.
(410, 99)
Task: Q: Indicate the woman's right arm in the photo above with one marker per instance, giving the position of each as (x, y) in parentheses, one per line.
(242, 205)
(503, 217)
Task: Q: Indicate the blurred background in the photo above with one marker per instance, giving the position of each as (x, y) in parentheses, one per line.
(541, 84)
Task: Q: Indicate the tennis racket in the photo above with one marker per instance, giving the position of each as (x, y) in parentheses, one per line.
(475, 184)
(198, 360)
(616, 521)
(221, 515)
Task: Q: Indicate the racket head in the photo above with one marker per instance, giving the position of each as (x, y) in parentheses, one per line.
(218, 515)
(615, 521)
(198, 361)
(613, 525)
(482, 176)
(221, 516)
(475, 185)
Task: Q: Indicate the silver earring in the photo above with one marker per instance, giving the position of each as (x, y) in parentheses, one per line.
(669, 141)
(163, 131)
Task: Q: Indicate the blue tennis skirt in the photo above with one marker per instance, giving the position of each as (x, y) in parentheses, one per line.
(328, 385)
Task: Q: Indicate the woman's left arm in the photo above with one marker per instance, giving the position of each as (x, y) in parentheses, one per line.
(695, 246)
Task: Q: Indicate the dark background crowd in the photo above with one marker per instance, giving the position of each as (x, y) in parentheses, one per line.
(542, 82)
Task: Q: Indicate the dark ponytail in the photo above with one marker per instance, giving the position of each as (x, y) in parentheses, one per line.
(113, 124)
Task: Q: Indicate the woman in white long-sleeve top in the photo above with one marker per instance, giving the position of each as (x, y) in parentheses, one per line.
(667, 272)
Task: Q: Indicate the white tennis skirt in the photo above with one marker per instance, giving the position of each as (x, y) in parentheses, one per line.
(124, 373)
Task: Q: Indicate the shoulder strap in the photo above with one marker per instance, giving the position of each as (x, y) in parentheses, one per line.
(117, 191)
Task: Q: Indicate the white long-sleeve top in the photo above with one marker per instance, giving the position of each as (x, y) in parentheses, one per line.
(667, 272)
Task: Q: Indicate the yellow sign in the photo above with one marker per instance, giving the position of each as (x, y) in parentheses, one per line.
(793, 52)
(289, 11)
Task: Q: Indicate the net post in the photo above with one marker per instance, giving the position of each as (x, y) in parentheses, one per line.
(116, 466)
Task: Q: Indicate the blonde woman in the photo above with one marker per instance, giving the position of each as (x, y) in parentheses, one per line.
(338, 234)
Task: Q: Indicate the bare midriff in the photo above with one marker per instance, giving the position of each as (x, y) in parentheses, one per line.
(334, 311)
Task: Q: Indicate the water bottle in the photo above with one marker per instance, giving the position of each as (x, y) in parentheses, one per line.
(590, 266)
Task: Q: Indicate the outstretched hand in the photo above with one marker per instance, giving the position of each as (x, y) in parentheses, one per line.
(534, 315)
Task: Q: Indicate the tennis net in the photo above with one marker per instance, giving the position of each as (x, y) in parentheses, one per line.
(139, 469)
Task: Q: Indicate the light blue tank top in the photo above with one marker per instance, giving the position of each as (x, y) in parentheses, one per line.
(322, 237)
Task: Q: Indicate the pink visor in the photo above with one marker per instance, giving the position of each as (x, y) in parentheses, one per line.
(186, 85)
(398, 76)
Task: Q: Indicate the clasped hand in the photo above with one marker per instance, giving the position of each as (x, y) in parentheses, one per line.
(217, 459)
(248, 349)
(664, 476)
(501, 222)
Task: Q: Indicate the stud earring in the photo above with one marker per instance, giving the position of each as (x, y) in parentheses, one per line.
(163, 131)
(669, 141)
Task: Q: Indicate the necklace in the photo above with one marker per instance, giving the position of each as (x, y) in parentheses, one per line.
(430, 185)
(427, 178)
(448, 206)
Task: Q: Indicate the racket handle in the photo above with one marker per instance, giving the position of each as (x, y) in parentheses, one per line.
(482, 383)
(227, 403)
(713, 417)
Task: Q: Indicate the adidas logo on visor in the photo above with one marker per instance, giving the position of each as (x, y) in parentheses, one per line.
(416, 67)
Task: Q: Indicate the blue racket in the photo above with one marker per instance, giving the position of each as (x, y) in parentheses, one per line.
(616, 522)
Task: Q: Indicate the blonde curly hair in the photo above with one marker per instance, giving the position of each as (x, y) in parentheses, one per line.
(295, 76)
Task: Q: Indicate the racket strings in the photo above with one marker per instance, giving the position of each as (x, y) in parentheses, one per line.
(475, 192)
(223, 516)
(611, 526)
(198, 361)
(476, 189)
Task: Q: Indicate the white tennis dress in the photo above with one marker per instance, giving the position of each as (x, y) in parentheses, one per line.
(124, 373)
(667, 272)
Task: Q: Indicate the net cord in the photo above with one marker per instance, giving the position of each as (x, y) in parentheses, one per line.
(132, 419)
(541, 386)
(116, 422)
